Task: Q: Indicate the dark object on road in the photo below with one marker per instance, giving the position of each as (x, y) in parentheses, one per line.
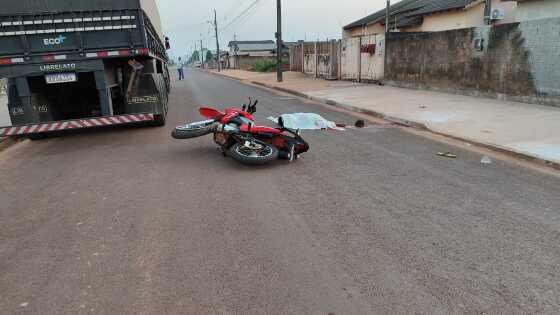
(235, 132)
(82, 64)
(360, 124)
(447, 155)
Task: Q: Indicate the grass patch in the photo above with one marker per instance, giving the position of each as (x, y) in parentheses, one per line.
(266, 65)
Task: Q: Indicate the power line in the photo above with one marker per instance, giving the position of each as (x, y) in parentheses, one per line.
(246, 17)
(242, 14)
(236, 4)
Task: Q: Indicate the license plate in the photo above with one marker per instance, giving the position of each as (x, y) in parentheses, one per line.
(61, 78)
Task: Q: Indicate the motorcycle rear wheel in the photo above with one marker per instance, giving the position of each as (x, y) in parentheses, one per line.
(254, 154)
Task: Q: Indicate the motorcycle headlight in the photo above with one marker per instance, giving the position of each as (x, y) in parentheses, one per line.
(220, 138)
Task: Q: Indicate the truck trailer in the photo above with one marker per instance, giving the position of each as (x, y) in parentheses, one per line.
(73, 64)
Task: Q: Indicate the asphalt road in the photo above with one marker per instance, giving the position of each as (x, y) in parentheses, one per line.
(370, 221)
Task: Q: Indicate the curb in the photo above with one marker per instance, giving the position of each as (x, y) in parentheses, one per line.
(407, 123)
(396, 120)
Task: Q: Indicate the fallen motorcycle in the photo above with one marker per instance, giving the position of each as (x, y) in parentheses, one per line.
(235, 132)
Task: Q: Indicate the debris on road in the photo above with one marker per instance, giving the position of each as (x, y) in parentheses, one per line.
(423, 106)
(447, 155)
(486, 160)
(306, 121)
(360, 123)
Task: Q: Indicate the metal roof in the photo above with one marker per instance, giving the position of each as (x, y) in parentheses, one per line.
(256, 45)
(410, 12)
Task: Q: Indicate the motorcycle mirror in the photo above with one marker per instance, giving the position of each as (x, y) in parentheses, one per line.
(281, 121)
(253, 108)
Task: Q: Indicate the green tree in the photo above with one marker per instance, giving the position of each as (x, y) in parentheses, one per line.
(195, 57)
(209, 56)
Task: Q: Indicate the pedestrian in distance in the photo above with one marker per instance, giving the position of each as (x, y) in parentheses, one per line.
(180, 70)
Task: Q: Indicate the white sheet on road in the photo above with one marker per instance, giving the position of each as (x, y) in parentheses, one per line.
(305, 121)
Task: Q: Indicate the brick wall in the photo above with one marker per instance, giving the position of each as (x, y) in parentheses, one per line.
(518, 61)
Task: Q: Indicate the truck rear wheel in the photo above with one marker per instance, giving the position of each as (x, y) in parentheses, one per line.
(159, 120)
(37, 136)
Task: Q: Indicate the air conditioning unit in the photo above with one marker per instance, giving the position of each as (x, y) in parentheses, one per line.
(497, 14)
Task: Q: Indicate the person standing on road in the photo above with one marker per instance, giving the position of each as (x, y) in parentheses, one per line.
(180, 70)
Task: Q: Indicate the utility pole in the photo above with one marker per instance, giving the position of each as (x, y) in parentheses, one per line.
(235, 51)
(217, 41)
(279, 41)
(201, 53)
(387, 16)
(488, 12)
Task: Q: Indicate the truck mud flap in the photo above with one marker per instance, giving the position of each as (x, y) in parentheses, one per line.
(76, 124)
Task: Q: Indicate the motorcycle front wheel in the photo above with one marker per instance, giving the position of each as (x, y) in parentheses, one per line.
(253, 153)
(193, 130)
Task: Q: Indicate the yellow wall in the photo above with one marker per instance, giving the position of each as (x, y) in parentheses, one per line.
(472, 16)
(371, 29)
(443, 21)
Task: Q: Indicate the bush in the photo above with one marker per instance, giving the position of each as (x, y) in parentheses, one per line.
(265, 65)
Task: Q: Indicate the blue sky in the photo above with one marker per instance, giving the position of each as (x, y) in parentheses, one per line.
(185, 20)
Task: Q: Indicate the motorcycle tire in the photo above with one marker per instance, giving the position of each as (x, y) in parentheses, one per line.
(240, 153)
(184, 132)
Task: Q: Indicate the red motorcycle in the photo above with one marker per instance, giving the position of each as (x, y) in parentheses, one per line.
(236, 133)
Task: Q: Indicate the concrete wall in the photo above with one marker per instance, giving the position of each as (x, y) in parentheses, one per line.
(538, 9)
(520, 61)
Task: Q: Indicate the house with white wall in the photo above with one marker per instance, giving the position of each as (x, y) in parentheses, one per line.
(434, 16)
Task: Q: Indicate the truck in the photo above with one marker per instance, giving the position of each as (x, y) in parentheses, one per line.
(74, 64)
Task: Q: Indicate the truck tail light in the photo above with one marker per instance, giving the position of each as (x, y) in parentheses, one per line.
(9, 61)
(143, 51)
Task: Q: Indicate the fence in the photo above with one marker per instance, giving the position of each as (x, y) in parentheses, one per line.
(357, 58)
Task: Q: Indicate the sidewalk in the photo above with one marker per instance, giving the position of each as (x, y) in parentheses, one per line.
(526, 129)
